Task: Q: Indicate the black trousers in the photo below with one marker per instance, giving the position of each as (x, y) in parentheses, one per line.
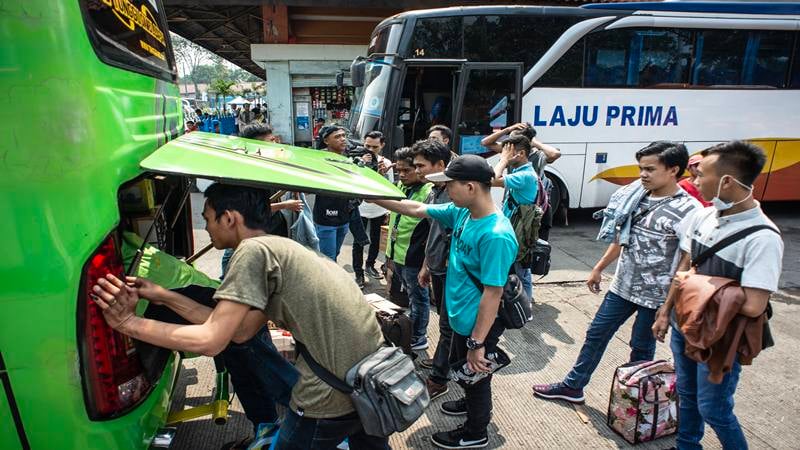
(374, 227)
(479, 395)
(441, 357)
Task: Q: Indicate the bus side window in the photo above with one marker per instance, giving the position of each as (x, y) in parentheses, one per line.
(637, 57)
(794, 78)
(742, 57)
(131, 35)
(437, 37)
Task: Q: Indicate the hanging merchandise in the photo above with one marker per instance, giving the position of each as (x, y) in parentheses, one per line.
(332, 103)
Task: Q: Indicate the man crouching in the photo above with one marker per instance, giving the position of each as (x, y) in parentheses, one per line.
(273, 278)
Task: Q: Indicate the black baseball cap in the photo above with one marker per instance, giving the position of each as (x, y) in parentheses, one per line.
(330, 129)
(465, 168)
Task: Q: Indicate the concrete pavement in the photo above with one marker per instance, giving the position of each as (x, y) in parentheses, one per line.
(544, 351)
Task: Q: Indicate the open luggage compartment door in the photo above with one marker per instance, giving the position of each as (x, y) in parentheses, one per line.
(249, 162)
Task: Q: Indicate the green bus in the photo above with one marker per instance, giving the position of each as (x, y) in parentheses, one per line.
(90, 147)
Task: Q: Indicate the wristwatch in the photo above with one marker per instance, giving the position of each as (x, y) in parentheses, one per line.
(472, 344)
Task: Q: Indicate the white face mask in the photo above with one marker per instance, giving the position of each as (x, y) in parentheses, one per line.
(724, 206)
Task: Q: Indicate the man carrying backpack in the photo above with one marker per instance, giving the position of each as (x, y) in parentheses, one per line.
(521, 184)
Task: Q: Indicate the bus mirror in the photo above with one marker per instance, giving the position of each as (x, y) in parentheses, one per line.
(357, 72)
(340, 79)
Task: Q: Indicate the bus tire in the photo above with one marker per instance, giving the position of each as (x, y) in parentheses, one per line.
(559, 200)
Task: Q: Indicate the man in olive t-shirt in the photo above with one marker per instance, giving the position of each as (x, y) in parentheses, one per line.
(273, 278)
(317, 301)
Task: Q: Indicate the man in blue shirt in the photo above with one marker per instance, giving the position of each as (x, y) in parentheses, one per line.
(521, 184)
(483, 244)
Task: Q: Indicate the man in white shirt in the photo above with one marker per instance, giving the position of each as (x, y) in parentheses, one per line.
(725, 177)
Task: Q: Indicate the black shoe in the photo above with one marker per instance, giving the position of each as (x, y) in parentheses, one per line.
(426, 363)
(372, 273)
(455, 407)
(360, 281)
(459, 438)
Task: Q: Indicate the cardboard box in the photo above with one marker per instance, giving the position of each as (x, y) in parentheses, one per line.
(141, 224)
(138, 198)
(384, 238)
(284, 342)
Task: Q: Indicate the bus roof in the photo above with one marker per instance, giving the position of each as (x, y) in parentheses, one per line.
(703, 7)
(494, 10)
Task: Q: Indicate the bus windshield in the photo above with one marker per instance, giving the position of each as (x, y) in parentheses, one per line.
(369, 102)
(370, 99)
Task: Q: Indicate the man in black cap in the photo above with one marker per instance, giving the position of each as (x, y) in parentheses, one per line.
(332, 214)
(483, 245)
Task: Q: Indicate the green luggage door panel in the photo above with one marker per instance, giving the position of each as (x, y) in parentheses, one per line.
(264, 164)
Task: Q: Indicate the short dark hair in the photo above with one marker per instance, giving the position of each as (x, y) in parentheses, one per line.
(670, 154)
(252, 203)
(529, 132)
(404, 154)
(254, 130)
(442, 129)
(375, 135)
(520, 142)
(741, 159)
(433, 150)
(320, 119)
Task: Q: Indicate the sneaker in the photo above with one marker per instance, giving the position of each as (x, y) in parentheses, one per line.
(435, 390)
(455, 407)
(360, 281)
(559, 391)
(372, 273)
(426, 363)
(459, 438)
(421, 344)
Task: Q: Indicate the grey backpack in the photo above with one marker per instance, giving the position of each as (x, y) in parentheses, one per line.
(387, 392)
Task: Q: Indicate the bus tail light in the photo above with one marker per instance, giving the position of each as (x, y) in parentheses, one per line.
(113, 376)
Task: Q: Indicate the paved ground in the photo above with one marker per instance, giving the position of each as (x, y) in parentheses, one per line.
(767, 400)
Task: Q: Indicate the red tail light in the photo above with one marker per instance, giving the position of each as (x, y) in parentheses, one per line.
(113, 376)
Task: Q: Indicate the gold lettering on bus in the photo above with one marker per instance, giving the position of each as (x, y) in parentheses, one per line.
(149, 49)
(130, 16)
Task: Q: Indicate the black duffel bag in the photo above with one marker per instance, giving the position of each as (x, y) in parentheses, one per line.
(515, 304)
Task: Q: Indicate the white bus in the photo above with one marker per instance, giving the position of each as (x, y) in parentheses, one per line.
(599, 82)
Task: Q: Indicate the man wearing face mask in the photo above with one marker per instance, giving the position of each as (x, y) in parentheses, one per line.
(725, 176)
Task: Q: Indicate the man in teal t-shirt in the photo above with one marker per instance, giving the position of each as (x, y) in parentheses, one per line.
(521, 184)
(483, 244)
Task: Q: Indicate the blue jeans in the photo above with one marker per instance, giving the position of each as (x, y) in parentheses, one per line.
(525, 277)
(418, 300)
(260, 376)
(613, 312)
(306, 433)
(357, 228)
(704, 402)
(331, 239)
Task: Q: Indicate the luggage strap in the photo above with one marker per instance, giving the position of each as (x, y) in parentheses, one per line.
(703, 256)
(324, 374)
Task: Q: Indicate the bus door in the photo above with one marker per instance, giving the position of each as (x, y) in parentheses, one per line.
(488, 100)
(427, 97)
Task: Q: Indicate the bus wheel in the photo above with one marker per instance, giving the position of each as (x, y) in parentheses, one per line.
(559, 202)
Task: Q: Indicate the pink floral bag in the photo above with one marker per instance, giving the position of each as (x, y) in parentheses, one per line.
(643, 405)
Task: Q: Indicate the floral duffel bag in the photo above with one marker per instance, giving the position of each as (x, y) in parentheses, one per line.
(643, 405)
